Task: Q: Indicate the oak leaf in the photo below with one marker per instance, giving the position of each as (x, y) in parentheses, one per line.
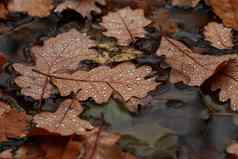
(187, 66)
(125, 25)
(3, 11)
(227, 10)
(65, 120)
(40, 8)
(12, 123)
(84, 7)
(218, 35)
(227, 81)
(99, 83)
(233, 149)
(61, 53)
(102, 145)
(182, 3)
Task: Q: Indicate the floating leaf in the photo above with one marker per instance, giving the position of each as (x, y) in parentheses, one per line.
(65, 120)
(40, 8)
(59, 54)
(218, 35)
(187, 66)
(84, 7)
(99, 83)
(125, 25)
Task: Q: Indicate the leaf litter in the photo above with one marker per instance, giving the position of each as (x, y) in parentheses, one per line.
(120, 79)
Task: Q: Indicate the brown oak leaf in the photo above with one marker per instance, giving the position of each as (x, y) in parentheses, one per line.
(218, 35)
(227, 81)
(227, 10)
(65, 120)
(125, 24)
(61, 53)
(3, 11)
(187, 66)
(102, 145)
(99, 83)
(40, 8)
(84, 7)
(190, 3)
(12, 123)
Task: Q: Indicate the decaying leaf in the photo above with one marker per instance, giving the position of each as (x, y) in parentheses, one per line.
(227, 81)
(105, 144)
(190, 3)
(50, 147)
(65, 120)
(12, 123)
(191, 68)
(84, 7)
(40, 8)
(61, 53)
(125, 54)
(99, 83)
(125, 25)
(227, 10)
(218, 35)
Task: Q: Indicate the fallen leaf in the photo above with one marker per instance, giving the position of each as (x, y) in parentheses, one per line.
(187, 66)
(182, 3)
(102, 145)
(99, 83)
(84, 7)
(227, 10)
(61, 53)
(227, 81)
(3, 11)
(125, 25)
(12, 123)
(50, 147)
(218, 35)
(40, 8)
(233, 149)
(65, 120)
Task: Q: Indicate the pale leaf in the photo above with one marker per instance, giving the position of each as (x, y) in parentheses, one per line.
(99, 83)
(218, 35)
(187, 66)
(59, 54)
(65, 120)
(125, 25)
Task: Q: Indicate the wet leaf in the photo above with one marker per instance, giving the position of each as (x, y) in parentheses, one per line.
(65, 120)
(218, 35)
(227, 81)
(99, 83)
(59, 54)
(13, 124)
(3, 11)
(84, 7)
(187, 66)
(40, 8)
(227, 10)
(125, 25)
(188, 3)
(233, 149)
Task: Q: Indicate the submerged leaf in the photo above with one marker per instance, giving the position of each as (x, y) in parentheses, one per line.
(125, 25)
